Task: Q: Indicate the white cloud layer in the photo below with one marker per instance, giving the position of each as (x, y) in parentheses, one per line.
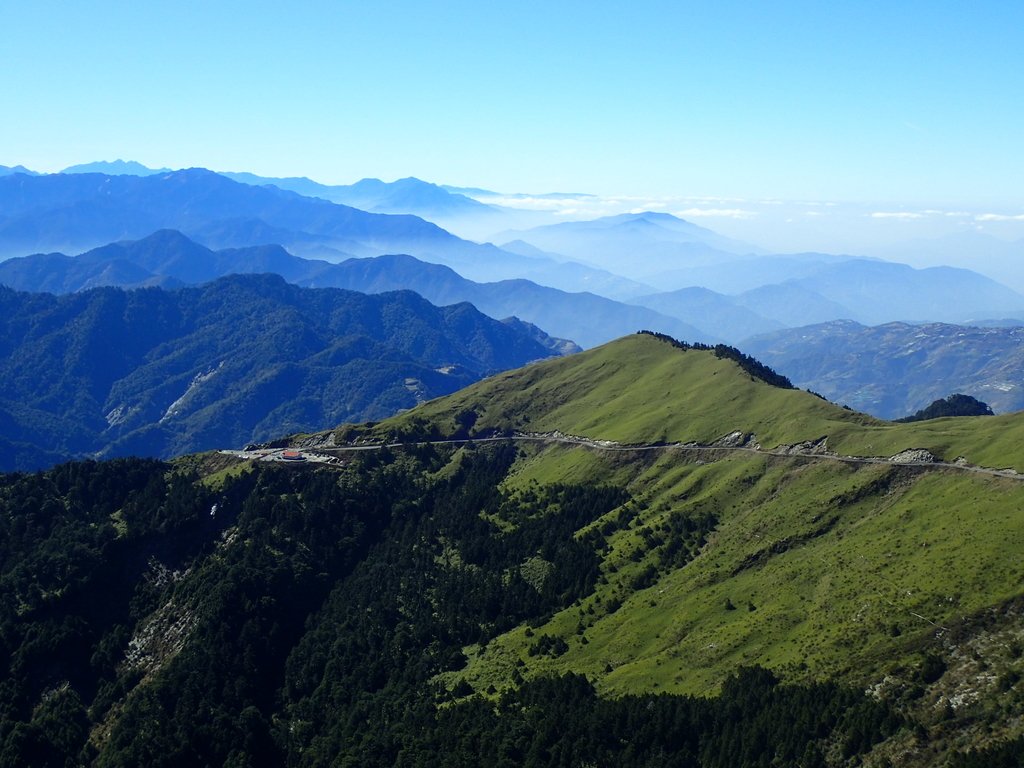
(999, 217)
(721, 213)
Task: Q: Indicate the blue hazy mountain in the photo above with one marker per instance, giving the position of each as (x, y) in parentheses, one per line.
(409, 195)
(477, 192)
(865, 290)
(598, 281)
(727, 316)
(169, 258)
(166, 258)
(470, 191)
(639, 245)
(115, 168)
(584, 317)
(56, 211)
(792, 304)
(734, 275)
(880, 291)
(74, 212)
(459, 213)
(246, 357)
(1002, 260)
(894, 369)
(6, 170)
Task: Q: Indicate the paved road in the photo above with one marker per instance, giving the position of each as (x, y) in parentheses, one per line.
(613, 447)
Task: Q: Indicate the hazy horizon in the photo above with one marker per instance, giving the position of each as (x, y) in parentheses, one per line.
(867, 130)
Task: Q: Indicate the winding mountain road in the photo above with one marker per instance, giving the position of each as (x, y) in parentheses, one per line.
(609, 446)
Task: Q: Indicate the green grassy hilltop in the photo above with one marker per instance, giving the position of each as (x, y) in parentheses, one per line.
(640, 390)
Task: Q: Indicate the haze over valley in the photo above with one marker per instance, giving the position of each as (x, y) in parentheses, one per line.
(587, 281)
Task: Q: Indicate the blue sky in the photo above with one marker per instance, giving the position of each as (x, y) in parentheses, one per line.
(908, 103)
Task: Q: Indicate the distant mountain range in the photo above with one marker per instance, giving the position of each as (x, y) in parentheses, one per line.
(585, 318)
(640, 246)
(878, 291)
(892, 370)
(6, 170)
(999, 259)
(67, 211)
(757, 293)
(409, 195)
(116, 168)
(74, 212)
(706, 309)
(735, 275)
(864, 290)
(169, 259)
(153, 372)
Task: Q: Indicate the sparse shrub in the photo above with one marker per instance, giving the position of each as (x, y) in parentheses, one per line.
(548, 645)
(932, 668)
(1008, 679)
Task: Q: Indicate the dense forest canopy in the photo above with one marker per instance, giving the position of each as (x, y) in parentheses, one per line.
(954, 405)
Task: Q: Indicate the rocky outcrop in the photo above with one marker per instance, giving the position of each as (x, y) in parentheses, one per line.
(914, 456)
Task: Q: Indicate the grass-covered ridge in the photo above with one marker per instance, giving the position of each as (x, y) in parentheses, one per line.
(641, 390)
(638, 389)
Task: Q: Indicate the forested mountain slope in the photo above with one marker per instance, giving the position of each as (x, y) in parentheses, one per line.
(244, 358)
(894, 369)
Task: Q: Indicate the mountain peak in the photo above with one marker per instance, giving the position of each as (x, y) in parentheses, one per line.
(166, 237)
(11, 170)
(639, 389)
(115, 168)
(652, 216)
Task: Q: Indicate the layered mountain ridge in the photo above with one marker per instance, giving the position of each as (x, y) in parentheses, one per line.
(169, 258)
(74, 212)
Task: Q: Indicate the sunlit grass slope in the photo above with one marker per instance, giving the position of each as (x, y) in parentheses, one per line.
(817, 569)
(640, 389)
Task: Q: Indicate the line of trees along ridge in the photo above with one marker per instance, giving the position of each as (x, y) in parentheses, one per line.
(754, 367)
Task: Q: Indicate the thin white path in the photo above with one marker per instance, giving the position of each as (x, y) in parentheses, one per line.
(613, 447)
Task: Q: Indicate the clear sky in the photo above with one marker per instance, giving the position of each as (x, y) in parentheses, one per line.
(911, 103)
